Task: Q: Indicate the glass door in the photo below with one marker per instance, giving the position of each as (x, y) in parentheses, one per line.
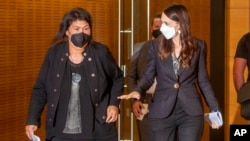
(133, 27)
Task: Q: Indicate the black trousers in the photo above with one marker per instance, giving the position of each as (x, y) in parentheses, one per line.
(103, 132)
(144, 129)
(144, 125)
(178, 126)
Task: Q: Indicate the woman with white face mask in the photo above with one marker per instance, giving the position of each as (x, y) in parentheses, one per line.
(178, 62)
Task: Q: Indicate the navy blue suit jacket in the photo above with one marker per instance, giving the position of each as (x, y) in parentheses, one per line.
(192, 81)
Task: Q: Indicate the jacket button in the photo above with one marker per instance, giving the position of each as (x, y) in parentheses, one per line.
(55, 90)
(176, 85)
(89, 59)
(96, 90)
(52, 105)
(103, 117)
(57, 75)
(96, 105)
(93, 75)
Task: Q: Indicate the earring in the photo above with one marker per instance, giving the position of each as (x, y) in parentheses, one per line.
(179, 31)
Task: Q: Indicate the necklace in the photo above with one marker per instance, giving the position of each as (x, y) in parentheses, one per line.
(76, 60)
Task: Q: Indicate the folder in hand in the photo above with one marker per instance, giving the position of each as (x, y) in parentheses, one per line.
(35, 138)
(214, 119)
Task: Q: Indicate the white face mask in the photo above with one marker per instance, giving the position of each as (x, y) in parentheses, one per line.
(167, 31)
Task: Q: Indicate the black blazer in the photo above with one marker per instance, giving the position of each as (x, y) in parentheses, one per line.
(169, 88)
(103, 74)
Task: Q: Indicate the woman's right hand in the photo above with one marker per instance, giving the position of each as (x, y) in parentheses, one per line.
(30, 129)
(133, 94)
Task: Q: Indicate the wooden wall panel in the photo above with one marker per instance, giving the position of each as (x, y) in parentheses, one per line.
(26, 30)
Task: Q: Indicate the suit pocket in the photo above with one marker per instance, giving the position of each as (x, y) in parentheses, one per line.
(189, 92)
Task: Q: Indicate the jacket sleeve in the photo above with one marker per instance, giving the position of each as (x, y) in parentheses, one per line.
(150, 68)
(132, 76)
(203, 79)
(115, 75)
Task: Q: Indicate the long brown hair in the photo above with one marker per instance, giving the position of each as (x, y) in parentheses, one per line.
(179, 13)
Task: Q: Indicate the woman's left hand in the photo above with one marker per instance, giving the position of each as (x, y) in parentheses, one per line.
(133, 94)
(112, 114)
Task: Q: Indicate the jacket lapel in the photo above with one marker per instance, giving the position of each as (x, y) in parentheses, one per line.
(169, 66)
(181, 69)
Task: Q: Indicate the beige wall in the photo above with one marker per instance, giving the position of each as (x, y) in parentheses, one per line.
(236, 23)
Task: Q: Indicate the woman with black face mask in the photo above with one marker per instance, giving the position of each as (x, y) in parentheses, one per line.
(79, 81)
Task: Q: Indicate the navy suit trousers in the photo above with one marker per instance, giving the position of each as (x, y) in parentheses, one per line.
(179, 126)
